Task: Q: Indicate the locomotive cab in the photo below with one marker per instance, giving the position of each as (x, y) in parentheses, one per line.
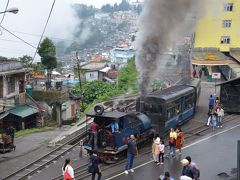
(114, 128)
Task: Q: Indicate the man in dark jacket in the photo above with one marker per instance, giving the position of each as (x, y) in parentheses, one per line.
(132, 151)
(96, 161)
(188, 170)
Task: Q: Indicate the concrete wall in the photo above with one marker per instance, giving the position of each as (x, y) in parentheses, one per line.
(210, 27)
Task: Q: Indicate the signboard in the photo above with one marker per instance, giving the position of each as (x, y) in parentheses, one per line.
(216, 75)
(212, 56)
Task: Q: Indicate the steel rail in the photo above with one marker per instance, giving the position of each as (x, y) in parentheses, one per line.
(45, 156)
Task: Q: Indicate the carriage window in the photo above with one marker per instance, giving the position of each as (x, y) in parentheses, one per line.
(153, 108)
(171, 113)
(189, 101)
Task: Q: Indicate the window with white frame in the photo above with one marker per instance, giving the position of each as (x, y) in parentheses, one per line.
(225, 40)
(226, 23)
(228, 7)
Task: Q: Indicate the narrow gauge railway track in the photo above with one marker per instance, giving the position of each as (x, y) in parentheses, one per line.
(39, 164)
(42, 162)
(81, 171)
(200, 129)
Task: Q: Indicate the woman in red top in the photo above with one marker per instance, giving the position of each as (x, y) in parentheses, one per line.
(179, 140)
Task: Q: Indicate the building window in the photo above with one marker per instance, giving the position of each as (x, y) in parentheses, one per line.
(226, 23)
(11, 84)
(225, 40)
(228, 7)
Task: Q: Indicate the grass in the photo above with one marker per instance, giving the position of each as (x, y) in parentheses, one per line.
(31, 131)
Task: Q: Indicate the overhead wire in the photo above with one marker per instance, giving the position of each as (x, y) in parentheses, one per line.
(49, 15)
(38, 35)
(18, 37)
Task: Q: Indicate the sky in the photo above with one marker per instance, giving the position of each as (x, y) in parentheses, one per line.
(29, 22)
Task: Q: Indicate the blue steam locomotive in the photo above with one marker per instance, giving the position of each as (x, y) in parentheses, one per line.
(114, 129)
(155, 112)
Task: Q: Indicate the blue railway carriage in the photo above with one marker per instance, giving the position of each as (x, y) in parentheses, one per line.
(170, 107)
(112, 145)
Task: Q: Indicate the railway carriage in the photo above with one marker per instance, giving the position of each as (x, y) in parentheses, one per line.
(170, 107)
(155, 112)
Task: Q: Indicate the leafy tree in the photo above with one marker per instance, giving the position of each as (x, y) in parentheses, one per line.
(93, 91)
(47, 52)
(26, 61)
(127, 78)
(3, 58)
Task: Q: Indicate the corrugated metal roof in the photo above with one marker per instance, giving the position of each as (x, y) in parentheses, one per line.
(230, 81)
(23, 111)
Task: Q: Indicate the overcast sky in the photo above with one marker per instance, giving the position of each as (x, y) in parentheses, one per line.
(30, 20)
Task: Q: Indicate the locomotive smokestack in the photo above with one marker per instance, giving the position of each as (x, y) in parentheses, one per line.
(141, 105)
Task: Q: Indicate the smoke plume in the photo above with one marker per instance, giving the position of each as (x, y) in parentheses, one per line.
(161, 22)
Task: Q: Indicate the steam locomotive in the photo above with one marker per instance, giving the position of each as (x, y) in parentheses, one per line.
(155, 112)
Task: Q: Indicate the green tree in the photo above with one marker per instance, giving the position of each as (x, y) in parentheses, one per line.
(127, 78)
(95, 91)
(47, 52)
(26, 61)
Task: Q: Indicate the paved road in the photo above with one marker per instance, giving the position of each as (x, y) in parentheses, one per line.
(214, 154)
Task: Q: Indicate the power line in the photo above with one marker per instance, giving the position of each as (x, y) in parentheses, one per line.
(38, 35)
(14, 41)
(4, 12)
(49, 15)
(18, 37)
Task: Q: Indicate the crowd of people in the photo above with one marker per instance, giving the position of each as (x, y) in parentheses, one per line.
(215, 113)
(176, 141)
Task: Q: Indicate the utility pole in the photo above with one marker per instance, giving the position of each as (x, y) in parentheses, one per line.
(80, 82)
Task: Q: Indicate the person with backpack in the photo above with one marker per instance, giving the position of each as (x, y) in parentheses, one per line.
(68, 172)
(94, 165)
(194, 166)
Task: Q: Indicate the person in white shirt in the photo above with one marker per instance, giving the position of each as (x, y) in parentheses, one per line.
(161, 147)
(68, 171)
(220, 113)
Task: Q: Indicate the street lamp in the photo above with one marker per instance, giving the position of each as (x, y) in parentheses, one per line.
(11, 10)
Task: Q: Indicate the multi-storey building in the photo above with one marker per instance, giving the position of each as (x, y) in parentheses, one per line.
(217, 35)
(219, 27)
(13, 108)
(12, 84)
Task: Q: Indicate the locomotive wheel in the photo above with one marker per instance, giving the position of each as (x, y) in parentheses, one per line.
(99, 109)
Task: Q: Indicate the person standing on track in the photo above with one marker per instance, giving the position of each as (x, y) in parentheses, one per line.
(179, 140)
(68, 172)
(132, 151)
(211, 102)
(154, 146)
(161, 154)
(95, 161)
(194, 166)
(172, 142)
(220, 114)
